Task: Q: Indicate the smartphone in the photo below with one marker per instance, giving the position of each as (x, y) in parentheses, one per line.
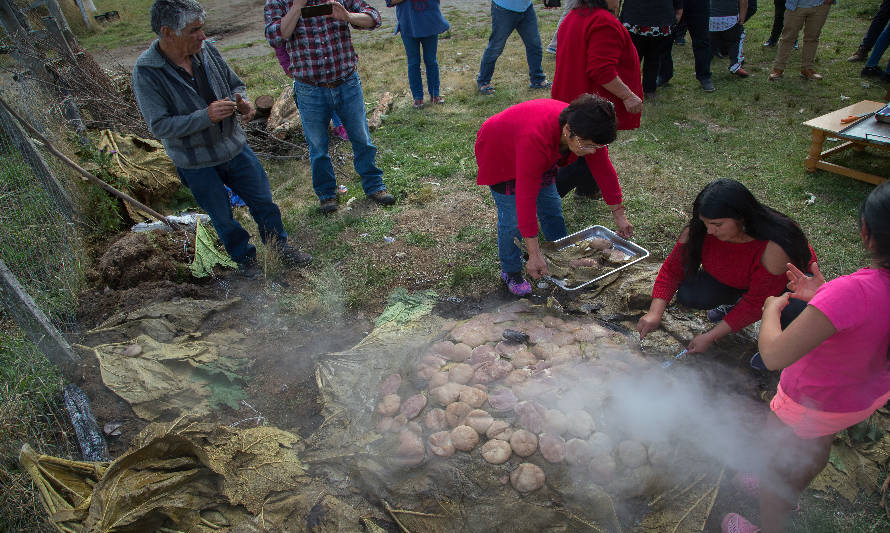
(316, 11)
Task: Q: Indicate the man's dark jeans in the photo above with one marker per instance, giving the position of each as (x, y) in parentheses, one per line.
(246, 177)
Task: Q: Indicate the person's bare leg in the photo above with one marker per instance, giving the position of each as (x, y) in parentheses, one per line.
(790, 469)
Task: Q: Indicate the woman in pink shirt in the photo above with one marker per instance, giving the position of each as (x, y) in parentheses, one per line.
(835, 368)
(518, 151)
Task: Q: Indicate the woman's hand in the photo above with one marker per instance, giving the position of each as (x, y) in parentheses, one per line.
(803, 287)
(536, 265)
(648, 323)
(633, 104)
(701, 343)
(625, 228)
(774, 304)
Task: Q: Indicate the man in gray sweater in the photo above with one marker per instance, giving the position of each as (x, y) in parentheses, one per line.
(189, 98)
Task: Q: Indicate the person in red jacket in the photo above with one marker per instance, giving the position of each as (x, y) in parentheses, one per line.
(518, 152)
(730, 257)
(596, 55)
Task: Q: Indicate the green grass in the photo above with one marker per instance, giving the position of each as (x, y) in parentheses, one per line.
(29, 413)
(133, 27)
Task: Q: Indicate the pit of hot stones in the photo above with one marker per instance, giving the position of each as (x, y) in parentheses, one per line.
(521, 402)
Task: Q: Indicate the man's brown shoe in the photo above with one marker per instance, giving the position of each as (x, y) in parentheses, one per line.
(775, 74)
(861, 54)
(810, 74)
(328, 205)
(382, 197)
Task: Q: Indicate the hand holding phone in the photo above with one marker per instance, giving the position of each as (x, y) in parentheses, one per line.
(316, 11)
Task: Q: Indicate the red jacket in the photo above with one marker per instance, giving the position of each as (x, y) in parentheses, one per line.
(607, 52)
(737, 265)
(522, 143)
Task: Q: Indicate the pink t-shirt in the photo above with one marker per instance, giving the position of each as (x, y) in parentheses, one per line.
(850, 369)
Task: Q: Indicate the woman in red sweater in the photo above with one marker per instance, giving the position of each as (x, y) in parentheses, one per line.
(518, 151)
(730, 257)
(598, 57)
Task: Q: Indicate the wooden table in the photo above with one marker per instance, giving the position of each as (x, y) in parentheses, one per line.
(829, 126)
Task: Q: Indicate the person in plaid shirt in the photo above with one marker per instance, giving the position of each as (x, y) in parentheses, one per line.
(322, 64)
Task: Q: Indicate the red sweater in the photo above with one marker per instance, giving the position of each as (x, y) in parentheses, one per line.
(522, 143)
(735, 264)
(607, 52)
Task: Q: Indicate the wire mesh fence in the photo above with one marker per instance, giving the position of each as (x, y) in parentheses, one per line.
(40, 242)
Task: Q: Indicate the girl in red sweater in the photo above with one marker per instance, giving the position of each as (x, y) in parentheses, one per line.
(730, 257)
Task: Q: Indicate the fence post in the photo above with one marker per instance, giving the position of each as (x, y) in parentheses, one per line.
(34, 158)
(33, 322)
(84, 14)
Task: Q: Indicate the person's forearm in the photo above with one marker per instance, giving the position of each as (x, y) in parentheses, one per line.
(361, 20)
(289, 20)
(532, 244)
(719, 331)
(770, 329)
(743, 11)
(618, 88)
(658, 306)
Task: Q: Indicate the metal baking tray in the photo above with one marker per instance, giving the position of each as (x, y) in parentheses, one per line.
(635, 251)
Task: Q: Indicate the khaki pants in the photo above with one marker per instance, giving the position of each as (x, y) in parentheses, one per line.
(811, 19)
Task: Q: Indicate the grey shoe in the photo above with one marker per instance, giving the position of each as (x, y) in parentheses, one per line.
(707, 86)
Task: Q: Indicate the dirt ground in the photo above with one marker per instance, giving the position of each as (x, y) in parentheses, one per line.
(237, 22)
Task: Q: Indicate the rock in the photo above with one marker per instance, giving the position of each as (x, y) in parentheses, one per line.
(411, 449)
(499, 430)
(390, 384)
(502, 399)
(389, 405)
(527, 477)
(464, 438)
(580, 423)
(496, 451)
(632, 453)
(472, 396)
(456, 412)
(479, 420)
(440, 444)
(578, 452)
(461, 373)
(553, 448)
(435, 420)
(523, 443)
(555, 422)
(413, 406)
(447, 393)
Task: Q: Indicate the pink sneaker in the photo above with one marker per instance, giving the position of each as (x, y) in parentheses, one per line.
(516, 284)
(736, 523)
(340, 131)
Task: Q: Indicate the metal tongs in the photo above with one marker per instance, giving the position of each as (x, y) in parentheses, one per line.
(669, 362)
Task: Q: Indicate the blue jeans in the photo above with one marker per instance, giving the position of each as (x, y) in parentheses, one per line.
(881, 44)
(503, 22)
(553, 225)
(412, 50)
(317, 105)
(245, 176)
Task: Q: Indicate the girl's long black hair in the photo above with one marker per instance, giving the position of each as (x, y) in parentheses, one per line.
(726, 198)
(874, 218)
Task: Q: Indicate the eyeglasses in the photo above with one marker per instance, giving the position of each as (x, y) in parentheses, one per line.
(592, 147)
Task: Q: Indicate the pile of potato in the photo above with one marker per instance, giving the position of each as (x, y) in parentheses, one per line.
(520, 401)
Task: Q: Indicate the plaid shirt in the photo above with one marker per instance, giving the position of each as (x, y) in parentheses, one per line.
(320, 48)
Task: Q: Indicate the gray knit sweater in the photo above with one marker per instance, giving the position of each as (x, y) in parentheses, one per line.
(177, 115)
